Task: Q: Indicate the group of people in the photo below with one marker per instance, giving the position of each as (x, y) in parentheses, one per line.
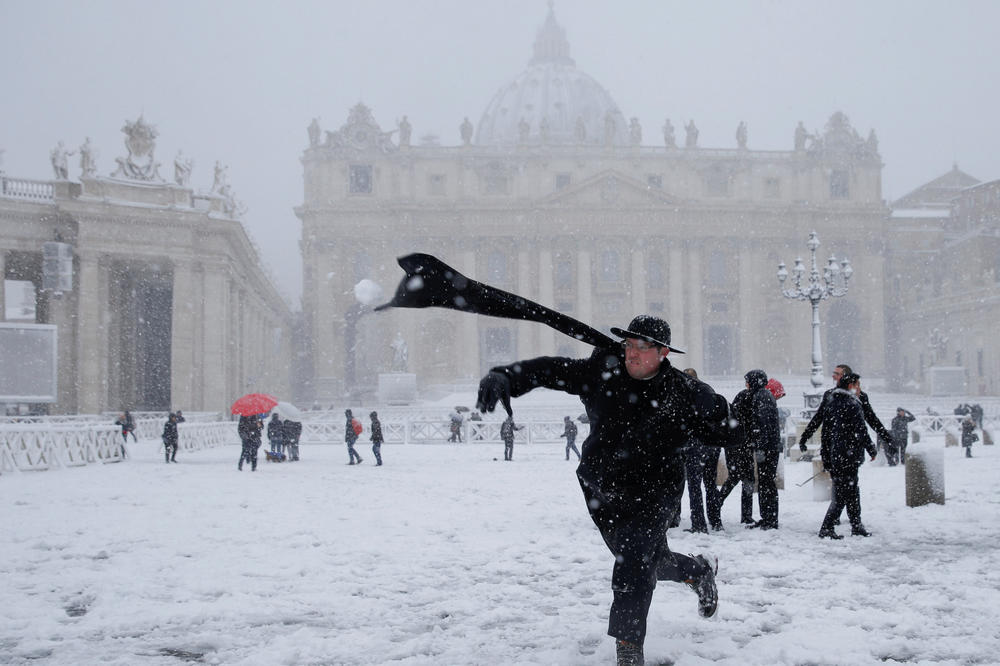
(280, 434)
(653, 426)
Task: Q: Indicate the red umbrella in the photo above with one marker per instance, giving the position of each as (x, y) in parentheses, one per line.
(254, 403)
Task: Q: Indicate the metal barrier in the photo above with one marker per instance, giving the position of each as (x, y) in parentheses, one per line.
(31, 447)
(438, 431)
(199, 436)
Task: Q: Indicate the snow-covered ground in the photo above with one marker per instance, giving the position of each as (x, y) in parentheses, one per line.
(447, 556)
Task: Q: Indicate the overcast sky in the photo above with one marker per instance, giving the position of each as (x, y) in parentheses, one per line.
(239, 81)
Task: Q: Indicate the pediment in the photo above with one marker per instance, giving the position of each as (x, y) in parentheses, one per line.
(612, 189)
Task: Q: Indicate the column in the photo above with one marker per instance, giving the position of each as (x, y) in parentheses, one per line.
(695, 337)
(751, 310)
(90, 384)
(527, 332)
(215, 336)
(584, 290)
(639, 305)
(469, 365)
(546, 335)
(675, 303)
(182, 335)
(3, 277)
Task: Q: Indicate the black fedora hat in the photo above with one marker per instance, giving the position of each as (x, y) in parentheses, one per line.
(648, 328)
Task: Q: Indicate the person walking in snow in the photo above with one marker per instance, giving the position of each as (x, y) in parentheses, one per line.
(641, 412)
(569, 432)
(701, 464)
(969, 435)
(170, 438)
(276, 436)
(249, 429)
(901, 432)
(843, 443)
(291, 434)
(820, 416)
(507, 435)
(351, 433)
(376, 438)
(758, 413)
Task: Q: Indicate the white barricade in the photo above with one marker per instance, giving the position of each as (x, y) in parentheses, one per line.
(29, 447)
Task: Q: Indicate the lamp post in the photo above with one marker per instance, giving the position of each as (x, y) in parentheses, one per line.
(833, 282)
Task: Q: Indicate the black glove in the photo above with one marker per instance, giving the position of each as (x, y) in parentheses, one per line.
(492, 388)
(802, 447)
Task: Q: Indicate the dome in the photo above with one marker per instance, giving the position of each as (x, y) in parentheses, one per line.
(552, 102)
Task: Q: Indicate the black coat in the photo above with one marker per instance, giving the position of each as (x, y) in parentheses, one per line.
(900, 433)
(757, 411)
(845, 437)
(249, 429)
(275, 431)
(968, 432)
(633, 455)
(292, 430)
(376, 435)
(170, 433)
(866, 409)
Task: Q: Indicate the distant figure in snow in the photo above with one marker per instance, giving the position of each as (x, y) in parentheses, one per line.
(351, 433)
(170, 438)
(969, 435)
(376, 438)
(569, 432)
(507, 435)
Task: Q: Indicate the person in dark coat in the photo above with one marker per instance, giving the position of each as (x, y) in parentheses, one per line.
(642, 411)
(170, 438)
(759, 415)
(976, 411)
(843, 443)
(700, 466)
(127, 422)
(292, 431)
(969, 435)
(350, 437)
(249, 429)
(276, 435)
(739, 464)
(901, 433)
(820, 416)
(376, 438)
(569, 432)
(507, 429)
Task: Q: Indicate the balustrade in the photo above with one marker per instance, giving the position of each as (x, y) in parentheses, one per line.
(21, 188)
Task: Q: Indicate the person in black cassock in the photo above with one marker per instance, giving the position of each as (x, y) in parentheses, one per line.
(843, 443)
(170, 438)
(376, 438)
(757, 410)
(642, 411)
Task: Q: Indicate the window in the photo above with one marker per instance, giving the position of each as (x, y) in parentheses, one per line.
(611, 267)
(496, 267)
(655, 278)
(719, 306)
(656, 307)
(716, 183)
(654, 180)
(495, 179)
(436, 185)
(718, 269)
(563, 180)
(839, 185)
(772, 188)
(564, 273)
(361, 179)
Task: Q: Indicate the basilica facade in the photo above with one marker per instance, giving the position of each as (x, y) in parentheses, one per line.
(556, 196)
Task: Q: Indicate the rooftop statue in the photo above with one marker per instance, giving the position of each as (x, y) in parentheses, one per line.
(60, 161)
(314, 132)
(140, 140)
(466, 130)
(635, 132)
(691, 140)
(669, 140)
(88, 165)
(182, 169)
(741, 135)
(405, 129)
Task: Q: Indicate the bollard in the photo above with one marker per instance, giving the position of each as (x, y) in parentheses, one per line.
(822, 483)
(925, 472)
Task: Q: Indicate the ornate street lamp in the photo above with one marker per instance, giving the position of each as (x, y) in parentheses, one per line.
(832, 283)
